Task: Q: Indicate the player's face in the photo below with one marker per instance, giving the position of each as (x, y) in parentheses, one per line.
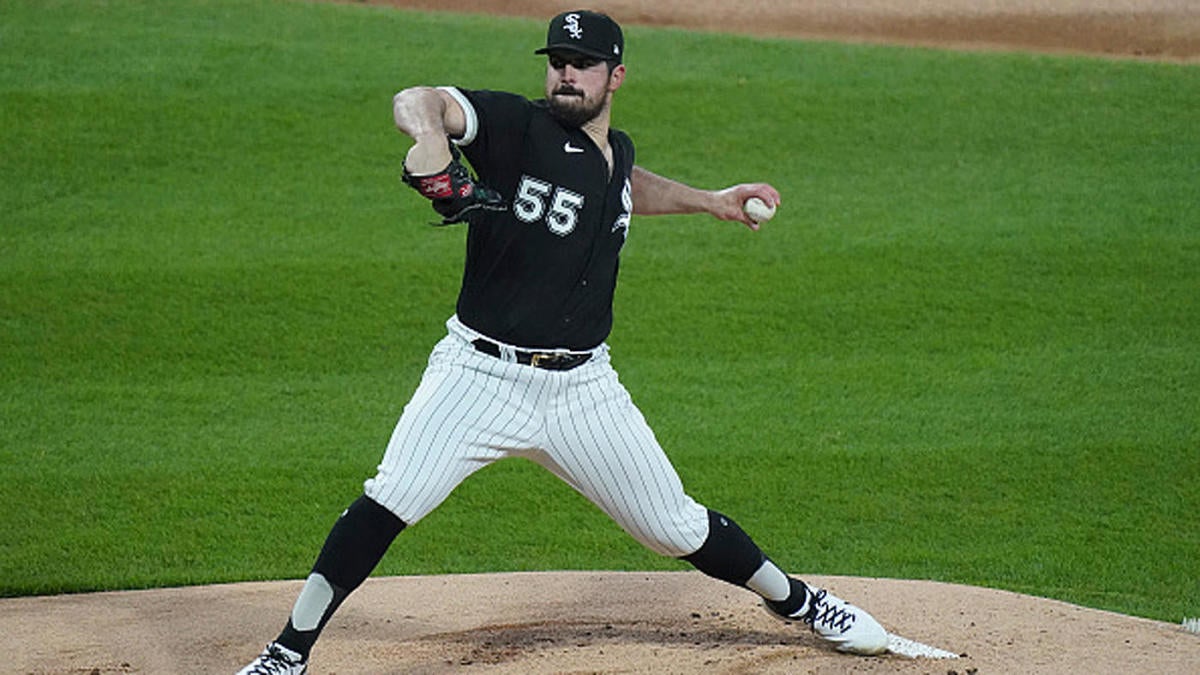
(578, 87)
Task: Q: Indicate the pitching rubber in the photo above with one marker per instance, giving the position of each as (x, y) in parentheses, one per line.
(911, 648)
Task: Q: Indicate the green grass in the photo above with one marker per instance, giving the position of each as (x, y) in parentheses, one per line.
(966, 349)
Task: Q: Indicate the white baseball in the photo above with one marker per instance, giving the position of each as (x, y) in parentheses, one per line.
(758, 210)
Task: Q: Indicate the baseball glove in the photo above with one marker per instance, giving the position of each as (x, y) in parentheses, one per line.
(454, 192)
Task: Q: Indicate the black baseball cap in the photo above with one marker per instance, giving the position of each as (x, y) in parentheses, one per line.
(586, 32)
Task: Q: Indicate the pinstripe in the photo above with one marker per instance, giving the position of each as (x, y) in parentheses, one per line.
(450, 429)
(605, 445)
(504, 424)
(621, 467)
(603, 493)
(471, 409)
(605, 478)
(414, 463)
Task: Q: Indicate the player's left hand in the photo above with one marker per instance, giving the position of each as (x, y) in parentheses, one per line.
(729, 202)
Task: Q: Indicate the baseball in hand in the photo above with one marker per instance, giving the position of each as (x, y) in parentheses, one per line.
(758, 210)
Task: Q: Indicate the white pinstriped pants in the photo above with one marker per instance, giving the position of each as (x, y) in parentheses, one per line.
(472, 409)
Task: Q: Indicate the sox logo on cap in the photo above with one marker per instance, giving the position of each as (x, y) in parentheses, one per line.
(586, 32)
(573, 27)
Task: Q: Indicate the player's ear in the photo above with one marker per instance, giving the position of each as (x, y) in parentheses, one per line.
(616, 77)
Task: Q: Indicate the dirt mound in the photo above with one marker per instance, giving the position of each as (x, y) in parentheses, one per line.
(575, 622)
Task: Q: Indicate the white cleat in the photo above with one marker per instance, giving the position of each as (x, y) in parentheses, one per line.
(850, 628)
(276, 660)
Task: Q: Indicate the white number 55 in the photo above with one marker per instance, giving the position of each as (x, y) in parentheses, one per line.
(532, 198)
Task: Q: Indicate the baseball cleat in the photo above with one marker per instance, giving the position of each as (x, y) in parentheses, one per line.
(276, 660)
(850, 628)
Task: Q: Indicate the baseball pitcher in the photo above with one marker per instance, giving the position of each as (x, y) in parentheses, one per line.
(524, 369)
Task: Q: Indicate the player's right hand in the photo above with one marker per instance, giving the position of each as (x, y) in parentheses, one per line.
(455, 194)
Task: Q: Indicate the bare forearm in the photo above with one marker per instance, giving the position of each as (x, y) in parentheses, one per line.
(657, 195)
(422, 113)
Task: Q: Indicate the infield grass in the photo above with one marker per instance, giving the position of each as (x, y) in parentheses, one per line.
(966, 349)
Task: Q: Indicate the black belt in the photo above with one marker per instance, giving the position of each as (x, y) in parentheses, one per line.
(544, 360)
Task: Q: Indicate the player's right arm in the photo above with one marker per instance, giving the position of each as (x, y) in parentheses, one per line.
(428, 115)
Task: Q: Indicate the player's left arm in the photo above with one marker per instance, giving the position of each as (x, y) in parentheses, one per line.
(658, 195)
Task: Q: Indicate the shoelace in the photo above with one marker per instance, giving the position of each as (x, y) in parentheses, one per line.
(829, 615)
(273, 662)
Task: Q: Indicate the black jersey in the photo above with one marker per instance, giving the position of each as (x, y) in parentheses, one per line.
(542, 273)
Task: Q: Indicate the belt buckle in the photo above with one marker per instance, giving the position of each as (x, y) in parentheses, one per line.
(537, 359)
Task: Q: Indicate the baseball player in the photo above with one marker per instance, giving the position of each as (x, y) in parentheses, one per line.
(524, 369)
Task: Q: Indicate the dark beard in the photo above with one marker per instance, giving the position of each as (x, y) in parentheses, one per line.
(574, 116)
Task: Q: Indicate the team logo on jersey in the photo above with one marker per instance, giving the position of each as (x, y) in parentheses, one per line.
(622, 221)
(571, 24)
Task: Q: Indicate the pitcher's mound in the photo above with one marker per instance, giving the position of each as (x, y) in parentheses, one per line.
(575, 622)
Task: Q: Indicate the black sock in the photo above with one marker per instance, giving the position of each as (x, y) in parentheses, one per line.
(353, 548)
(794, 603)
(728, 553)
